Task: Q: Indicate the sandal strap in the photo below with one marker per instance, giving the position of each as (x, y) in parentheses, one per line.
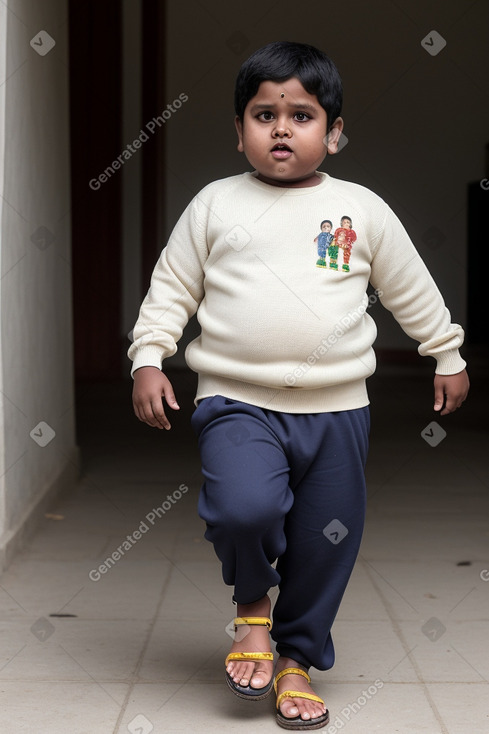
(298, 694)
(291, 671)
(264, 621)
(250, 656)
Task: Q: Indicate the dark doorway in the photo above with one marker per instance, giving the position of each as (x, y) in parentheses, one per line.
(96, 88)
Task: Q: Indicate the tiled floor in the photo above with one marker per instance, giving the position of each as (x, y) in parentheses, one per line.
(141, 646)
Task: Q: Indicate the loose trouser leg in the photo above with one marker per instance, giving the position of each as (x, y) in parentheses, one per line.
(287, 486)
(323, 530)
(245, 495)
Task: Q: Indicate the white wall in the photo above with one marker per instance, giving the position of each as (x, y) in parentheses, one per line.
(417, 124)
(132, 171)
(35, 287)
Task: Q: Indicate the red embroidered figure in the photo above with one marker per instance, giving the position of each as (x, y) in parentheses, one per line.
(344, 237)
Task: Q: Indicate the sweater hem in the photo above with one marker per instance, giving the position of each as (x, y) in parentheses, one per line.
(333, 398)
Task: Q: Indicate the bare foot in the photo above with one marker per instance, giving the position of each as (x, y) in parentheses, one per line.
(293, 707)
(252, 638)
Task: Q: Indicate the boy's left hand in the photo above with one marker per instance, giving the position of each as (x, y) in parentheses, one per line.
(454, 387)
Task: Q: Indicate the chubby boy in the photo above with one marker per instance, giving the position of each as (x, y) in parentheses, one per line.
(283, 462)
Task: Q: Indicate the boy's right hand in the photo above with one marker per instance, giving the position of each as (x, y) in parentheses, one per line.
(150, 386)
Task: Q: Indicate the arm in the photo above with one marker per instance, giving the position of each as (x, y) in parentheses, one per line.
(410, 293)
(174, 295)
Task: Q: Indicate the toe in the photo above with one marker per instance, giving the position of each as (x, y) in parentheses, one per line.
(317, 711)
(261, 677)
(289, 709)
(241, 674)
(303, 710)
(242, 677)
(234, 670)
(294, 707)
(246, 675)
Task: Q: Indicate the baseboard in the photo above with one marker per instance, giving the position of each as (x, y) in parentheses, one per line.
(16, 538)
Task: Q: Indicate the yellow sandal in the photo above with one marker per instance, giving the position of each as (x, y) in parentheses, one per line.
(298, 723)
(251, 694)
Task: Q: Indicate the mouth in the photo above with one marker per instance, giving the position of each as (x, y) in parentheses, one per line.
(281, 151)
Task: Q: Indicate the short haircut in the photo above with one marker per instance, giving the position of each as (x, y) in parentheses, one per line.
(327, 221)
(346, 217)
(283, 60)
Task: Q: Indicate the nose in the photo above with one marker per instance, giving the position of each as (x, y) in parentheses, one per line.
(281, 129)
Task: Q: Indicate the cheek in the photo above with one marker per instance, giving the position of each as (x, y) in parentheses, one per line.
(253, 144)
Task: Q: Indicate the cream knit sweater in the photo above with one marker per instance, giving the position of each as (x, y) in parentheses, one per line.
(283, 316)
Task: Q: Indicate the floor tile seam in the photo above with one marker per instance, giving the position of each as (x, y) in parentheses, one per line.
(218, 682)
(319, 681)
(75, 681)
(26, 617)
(348, 682)
(142, 654)
(382, 514)
(398, 631)
(421, 562)
(353, 620)
(410, 620)
(76, 618)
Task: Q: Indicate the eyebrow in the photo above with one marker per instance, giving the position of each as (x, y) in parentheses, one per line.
(294, 105)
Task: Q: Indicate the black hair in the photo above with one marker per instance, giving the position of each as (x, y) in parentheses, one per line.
(346, 217)
(283, 60)
(326, 221)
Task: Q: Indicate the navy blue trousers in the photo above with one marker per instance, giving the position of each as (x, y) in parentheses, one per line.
(288, 488)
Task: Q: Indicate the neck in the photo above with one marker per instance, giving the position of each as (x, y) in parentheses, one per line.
(312, 180)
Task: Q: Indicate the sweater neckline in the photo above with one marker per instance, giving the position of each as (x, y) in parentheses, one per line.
(251, 177)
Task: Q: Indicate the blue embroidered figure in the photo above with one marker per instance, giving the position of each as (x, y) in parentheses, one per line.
(323, 241)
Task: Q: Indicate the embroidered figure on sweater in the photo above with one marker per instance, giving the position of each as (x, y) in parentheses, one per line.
(323, 240)
(344, 237)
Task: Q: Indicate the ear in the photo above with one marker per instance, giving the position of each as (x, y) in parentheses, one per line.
(332, 138)
(239, 129)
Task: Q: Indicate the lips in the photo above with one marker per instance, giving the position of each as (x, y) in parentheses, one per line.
(281, 151)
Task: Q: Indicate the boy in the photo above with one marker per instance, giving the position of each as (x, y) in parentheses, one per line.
(284, 463)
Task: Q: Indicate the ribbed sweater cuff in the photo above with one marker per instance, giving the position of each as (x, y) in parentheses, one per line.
(147, 357)
(449, 362)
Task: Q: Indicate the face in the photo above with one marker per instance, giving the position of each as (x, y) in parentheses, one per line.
(346, 224)
(326, 227)
(283, 134)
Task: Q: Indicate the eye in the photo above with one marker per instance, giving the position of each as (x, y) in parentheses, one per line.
(301, 116)
(265, 116)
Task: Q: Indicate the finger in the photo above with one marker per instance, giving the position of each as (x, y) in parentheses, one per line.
(146, 415)
(170, 398)
(450, 406)
(139, 412)
(138, 407)
(169, 394)
(439, 399)
(158, 414)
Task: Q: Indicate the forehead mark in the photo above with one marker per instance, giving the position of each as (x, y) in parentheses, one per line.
(294, 105)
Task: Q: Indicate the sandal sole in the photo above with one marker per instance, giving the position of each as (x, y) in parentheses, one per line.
(299, 724)
(241, 692)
